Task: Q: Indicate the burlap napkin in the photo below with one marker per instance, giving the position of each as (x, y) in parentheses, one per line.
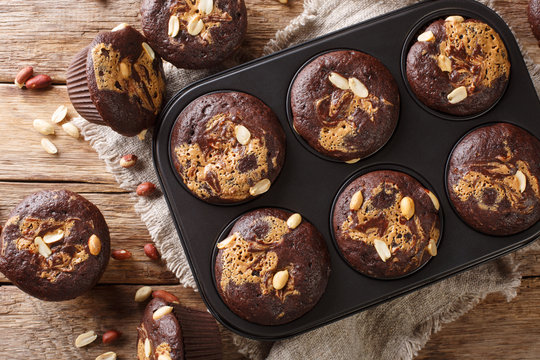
(394, 330)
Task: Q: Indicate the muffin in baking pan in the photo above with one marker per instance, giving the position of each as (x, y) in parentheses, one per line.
(386, 224)
(458, 66)
(227, 147)
(55, 245)
(272, 268)
(345, 105)
(493, 179)
(194, 34)
(117, 81)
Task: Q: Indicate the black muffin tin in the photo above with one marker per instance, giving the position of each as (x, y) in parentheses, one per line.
(308, 183)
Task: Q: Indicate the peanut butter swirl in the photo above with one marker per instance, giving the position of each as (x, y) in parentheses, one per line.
(223, 167)
(254, 261)
(477, 54)
(188, 10)
(386, 222)
(492, 183)
(63, 259)
(338, 113)
(139, 80)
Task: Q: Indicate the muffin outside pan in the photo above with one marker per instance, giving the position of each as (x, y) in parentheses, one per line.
(117, 81)
(308, 183)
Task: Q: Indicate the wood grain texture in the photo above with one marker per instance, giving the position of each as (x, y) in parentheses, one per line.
(46, 34)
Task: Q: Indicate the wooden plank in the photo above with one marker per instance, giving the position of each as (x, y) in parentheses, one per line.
(127, 230)
(35, 35)
(494, 329)
(47, 330)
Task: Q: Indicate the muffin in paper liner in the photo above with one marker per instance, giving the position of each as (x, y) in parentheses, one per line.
(182, 333)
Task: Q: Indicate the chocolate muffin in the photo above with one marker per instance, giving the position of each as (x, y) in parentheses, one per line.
(55, 245)
(493, 177)
(534, 17)
(194, 34)
(227, 147)
(272, 268)
(170, 331)
(117, 81)
(386, 224)
(457, 66)
(345, 105)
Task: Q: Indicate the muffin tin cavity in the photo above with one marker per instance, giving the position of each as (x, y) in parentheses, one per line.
(308, 182)
(469, 68)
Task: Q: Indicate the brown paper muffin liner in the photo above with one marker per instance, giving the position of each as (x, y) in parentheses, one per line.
(201, 336)
(77, 87)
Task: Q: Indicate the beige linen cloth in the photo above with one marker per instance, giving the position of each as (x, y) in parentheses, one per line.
(393, 330)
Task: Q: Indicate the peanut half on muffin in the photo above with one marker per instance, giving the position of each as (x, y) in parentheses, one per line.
(227, 147)
(273, 267)
(170, 331)
(457, 66)
(55, 245)
(493, 177)
(117, 81)
(345, 105)
(194, 34)
(386, 224)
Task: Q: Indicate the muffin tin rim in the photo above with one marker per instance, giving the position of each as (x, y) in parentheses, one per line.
(410, 39)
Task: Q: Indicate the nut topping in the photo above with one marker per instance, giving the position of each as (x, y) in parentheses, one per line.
(53, 236)
(358, 88)
(43, 249)
(111, 355)
(143, 293)
(242, 134)
(407, 207)
(382, 249)
(432, 248)
(223, 244)
(195, 25)
(455, 18)
(43, 127)
(164, 357)
(85, 339)
(434, 199)
(119, 27)
(426, 36)
(161, 312)
(24, 74)
(71, 130)
(522, 181)
(294, 220)
(48, 146)
(149, 51)
(356, 201)
(174, 26)
(124, 70)
(457, 95)
(338, 81)
(94, 245)
(206, 6)
(59, 114)
(128, 161)
(280, 279)
(147, 348)
(260, 188)
(445, 64)
(352, 161)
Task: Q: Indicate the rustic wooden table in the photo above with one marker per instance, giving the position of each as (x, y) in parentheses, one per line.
(46, 34)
